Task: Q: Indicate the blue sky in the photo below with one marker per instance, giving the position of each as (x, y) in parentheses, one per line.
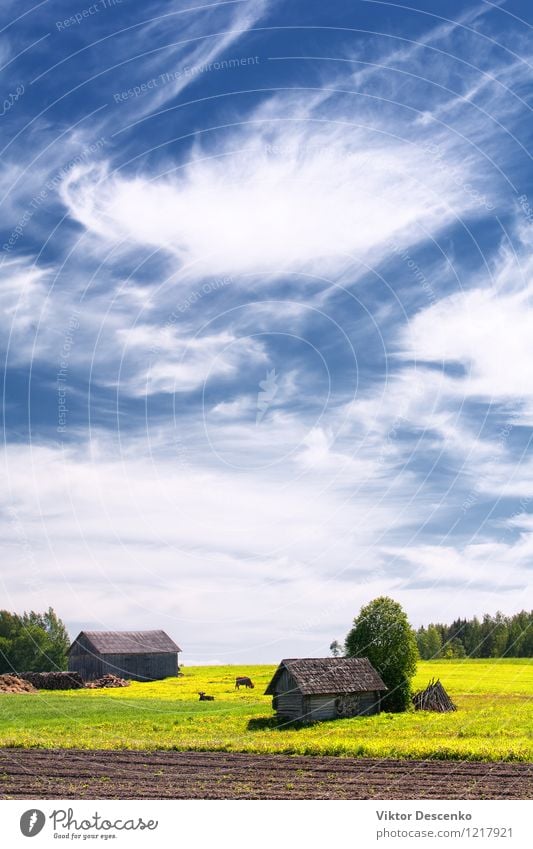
(265, 304)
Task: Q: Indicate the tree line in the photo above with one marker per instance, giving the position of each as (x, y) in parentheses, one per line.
(492, 636)
(32, 642)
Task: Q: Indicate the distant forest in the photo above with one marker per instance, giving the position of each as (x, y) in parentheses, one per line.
(492, 636)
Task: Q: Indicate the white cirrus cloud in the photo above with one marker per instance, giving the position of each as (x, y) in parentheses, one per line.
(308, 199)
(23, 293)
(161, 359)
(487, 329)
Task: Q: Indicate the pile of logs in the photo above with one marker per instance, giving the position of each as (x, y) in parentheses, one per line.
(14, 684)
(53, 680)
(434, 697)
(106, 681)
(30, 682)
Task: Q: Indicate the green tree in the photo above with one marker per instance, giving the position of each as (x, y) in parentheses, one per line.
(472, 637)
(520, 634)
(382, 633)
(422, 643)
(434, 642)
(56, 644)
(487, 626)
(453, 648)
(335, 648)
(500, 636)
(527, 642)
(32, 642)
(10, 625)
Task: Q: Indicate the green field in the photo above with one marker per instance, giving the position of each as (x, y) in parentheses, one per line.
(494, 720)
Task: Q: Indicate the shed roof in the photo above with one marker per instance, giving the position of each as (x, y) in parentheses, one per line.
(129, 642)
(324, 675)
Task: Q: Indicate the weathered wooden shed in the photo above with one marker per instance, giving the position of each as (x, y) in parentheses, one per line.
(309, 689)
(137, 655)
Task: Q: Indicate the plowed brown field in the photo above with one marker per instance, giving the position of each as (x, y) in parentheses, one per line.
(78, 774)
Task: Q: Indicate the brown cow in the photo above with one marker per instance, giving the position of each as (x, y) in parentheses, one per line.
(243, 681)
(205, 698)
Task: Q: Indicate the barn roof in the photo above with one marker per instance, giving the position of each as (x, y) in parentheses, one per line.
(324, 675)
(128, 642)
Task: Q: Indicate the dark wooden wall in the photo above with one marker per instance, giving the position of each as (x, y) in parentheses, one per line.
(288, 701)
(135, 667)
(337, 707)
(84, 660)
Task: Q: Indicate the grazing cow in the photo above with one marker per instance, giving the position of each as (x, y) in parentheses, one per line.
(205, 698)
(243, 681)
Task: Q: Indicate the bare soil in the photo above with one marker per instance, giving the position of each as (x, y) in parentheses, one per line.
(81, 774)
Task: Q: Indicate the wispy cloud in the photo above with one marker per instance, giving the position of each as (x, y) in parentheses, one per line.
(272, 202)
(302, 323)
(180, 364)
(487, 329)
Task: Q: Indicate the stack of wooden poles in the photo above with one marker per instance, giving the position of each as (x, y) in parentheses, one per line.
(434, 697)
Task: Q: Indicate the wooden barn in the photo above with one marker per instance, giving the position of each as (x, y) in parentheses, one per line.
(310, 689)
(137, 655)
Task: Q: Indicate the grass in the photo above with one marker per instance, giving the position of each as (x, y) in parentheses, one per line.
(494, 720)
